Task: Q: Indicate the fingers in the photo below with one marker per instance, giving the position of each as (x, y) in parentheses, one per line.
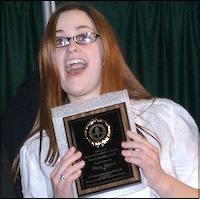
(68, 166)
(69, 152)
(138, 142)
(71, 173)
(139, 150)
(66, 172)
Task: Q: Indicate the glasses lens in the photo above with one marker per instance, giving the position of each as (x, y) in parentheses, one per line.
(84, 38)
(61, 41)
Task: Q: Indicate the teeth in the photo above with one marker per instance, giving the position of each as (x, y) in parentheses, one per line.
(70, 64)
(75, 61)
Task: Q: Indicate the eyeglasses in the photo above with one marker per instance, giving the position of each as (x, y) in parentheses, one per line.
(82, 39)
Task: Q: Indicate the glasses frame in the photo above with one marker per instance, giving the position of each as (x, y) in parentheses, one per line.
(75, 39)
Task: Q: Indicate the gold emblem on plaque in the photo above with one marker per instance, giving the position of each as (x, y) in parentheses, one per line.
(97, 132)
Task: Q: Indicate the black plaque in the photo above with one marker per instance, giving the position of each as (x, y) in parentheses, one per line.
(98, 135)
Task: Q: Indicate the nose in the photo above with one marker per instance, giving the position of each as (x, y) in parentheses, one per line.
(72, 46)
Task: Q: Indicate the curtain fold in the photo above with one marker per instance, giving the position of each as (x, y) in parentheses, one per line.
(160, 40)
(21, 33)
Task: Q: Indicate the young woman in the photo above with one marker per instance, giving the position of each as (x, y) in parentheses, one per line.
(80, 59)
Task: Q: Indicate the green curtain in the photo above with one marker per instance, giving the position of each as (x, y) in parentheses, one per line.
(160, 40)
(21, 33)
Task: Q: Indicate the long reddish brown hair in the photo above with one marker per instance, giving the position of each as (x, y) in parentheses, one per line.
(116, 75)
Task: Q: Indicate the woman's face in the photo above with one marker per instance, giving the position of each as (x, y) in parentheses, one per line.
(79, 66)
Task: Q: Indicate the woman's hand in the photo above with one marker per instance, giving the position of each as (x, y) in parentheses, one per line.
(142, 153)
(65, 173)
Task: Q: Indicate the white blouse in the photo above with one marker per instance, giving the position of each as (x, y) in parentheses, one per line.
(173, 126)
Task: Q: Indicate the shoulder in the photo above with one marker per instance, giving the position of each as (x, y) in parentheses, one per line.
(164, 111)
(155, 103)
(32, 145)
(160, 106)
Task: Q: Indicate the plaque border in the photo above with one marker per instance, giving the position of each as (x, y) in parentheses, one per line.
(126, 126)
(90, 105)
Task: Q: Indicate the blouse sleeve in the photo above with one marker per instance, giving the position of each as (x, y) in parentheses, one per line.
(184, 151)
(33, 180)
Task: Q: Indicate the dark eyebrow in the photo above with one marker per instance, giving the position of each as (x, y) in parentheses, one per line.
(81, 27)
(59, 31)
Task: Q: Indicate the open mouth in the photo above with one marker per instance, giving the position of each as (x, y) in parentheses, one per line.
(75, 65)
